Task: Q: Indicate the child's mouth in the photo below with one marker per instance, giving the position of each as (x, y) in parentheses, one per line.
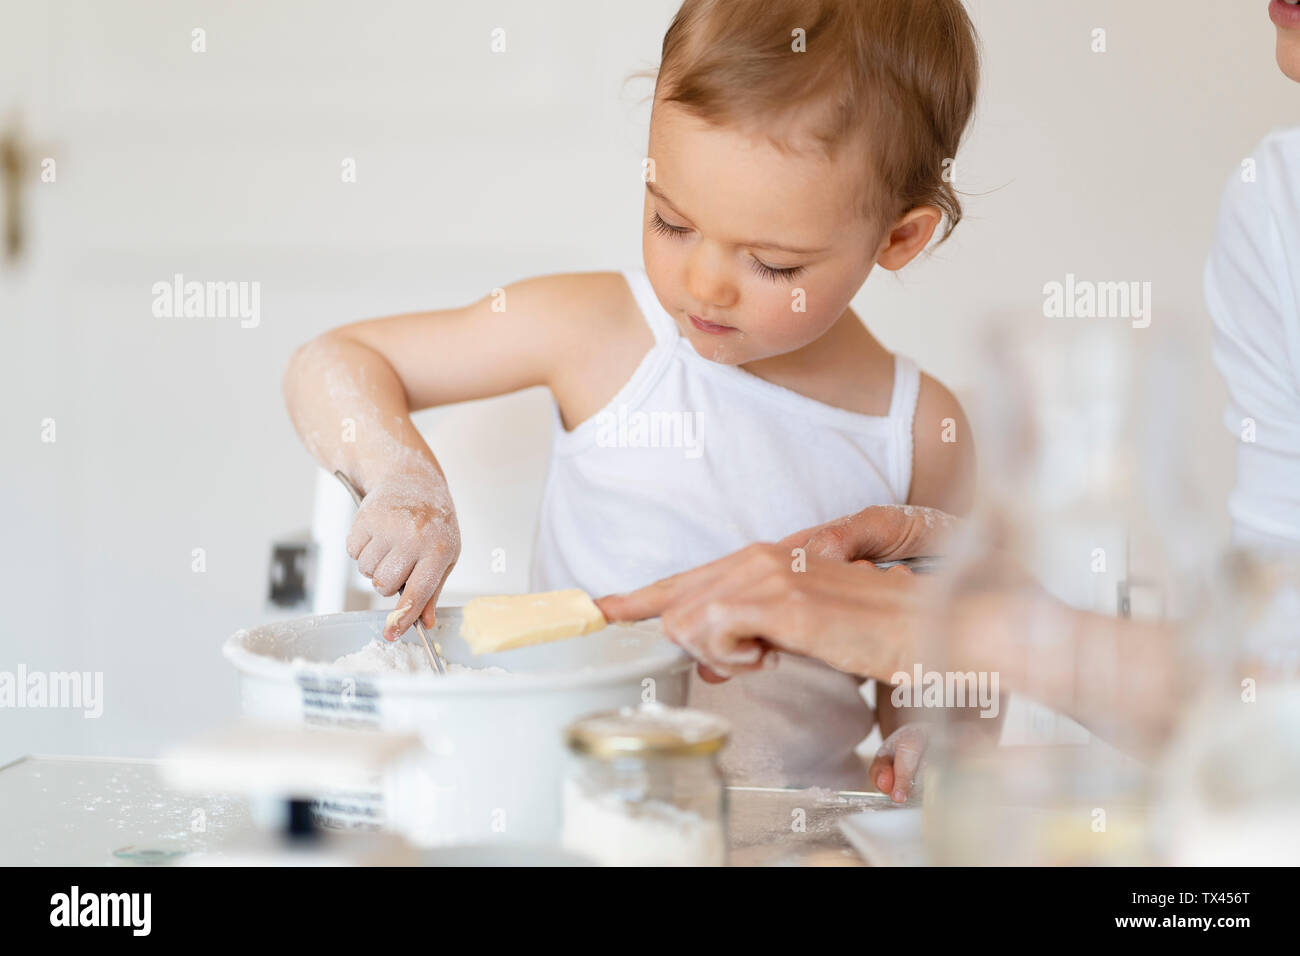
(711, 327)
(1285, 14)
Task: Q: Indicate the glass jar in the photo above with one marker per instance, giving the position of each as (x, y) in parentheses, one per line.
(643, 788)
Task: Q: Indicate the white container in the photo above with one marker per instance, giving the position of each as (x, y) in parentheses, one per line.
(495, 741)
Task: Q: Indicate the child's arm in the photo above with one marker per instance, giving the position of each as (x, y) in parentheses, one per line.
(943, 452)
(350, 393)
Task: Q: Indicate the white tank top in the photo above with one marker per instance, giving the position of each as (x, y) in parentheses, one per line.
(693, 460)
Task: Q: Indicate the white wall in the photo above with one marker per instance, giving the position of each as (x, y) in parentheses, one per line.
(474, 169)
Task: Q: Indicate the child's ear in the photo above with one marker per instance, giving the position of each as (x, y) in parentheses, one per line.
(907, 237)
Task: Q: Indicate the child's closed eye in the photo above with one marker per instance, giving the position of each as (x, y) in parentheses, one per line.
(772, 273)
(664, 229)
(775, 274)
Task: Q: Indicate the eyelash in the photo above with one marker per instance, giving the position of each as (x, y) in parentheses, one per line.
(777, 275)
(766, 271)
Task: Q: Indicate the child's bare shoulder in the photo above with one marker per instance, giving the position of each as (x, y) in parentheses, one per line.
(565, 294)
(575, 305)
(943, 451)
(598, 335)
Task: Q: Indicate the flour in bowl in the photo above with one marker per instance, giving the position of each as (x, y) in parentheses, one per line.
(399, 657)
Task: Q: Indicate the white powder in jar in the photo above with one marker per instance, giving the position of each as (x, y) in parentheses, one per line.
(617, 832)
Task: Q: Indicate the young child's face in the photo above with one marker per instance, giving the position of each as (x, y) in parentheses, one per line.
(733, 227)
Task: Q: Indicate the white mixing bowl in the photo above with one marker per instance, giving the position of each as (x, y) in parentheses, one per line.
(495, 741)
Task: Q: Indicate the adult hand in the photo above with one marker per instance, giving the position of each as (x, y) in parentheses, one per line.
(879, 533)
(729, 614)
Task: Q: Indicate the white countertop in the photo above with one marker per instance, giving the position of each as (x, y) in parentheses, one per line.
(91, 811)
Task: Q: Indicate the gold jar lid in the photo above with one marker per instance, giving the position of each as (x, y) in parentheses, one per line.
(651, 730)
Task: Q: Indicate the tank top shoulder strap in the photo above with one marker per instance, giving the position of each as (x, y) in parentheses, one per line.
(660, 322)
(902, 413)
(907, 386)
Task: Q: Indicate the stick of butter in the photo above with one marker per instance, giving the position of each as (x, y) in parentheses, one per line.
(491, 624)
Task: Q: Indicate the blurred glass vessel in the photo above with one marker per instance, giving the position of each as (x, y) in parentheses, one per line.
(1077, 446)
(1229, 789)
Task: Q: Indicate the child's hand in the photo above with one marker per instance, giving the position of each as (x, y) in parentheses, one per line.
(405, 533)
(899, 763)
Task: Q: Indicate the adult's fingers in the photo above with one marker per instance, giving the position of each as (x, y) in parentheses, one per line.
(710, 676)
(862, 535)
(757, 574)
(874, 534)
(758, 571)
(878, 533)
(799, 538)
(653, 599)
(637, 605)
(856, 618)
(728, 636)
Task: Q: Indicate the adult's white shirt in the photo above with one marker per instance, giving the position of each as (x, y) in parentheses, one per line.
(1252, 288)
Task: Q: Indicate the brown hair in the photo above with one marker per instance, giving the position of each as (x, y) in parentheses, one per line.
(899, 76)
